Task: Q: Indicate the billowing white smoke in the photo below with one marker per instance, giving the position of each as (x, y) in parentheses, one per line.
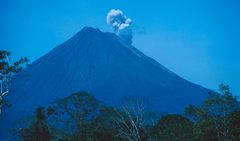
(120, 24)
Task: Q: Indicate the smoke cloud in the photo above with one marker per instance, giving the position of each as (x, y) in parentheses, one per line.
(120, 24)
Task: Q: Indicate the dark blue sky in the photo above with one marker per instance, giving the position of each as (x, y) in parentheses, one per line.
(199, 40)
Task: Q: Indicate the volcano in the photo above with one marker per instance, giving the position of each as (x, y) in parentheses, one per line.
(104, 65)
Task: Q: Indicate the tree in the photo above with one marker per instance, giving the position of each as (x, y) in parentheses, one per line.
(105, 129)
(78, 116)
(73, 116)
(173, 128)
(211, 118)
(7, 71)
(131, 118)
(39, 130)
(234, 120)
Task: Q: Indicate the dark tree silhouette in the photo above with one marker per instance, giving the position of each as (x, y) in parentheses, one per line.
(173, 128)
(39, 130)
(7, 71)
(211, 118)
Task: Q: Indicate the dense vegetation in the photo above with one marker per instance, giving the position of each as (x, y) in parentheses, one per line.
(81, 117)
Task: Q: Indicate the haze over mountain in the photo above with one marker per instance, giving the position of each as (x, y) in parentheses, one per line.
(104, 65)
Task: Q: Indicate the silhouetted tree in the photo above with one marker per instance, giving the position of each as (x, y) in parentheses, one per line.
(39, 130)
(173, 128)
(105, 129)
(73, 116)
(7, 71)
(234, 121)
(211, 118)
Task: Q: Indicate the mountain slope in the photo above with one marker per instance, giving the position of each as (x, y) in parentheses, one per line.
(102, 64)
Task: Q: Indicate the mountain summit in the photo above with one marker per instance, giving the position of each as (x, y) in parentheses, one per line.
(104, 65)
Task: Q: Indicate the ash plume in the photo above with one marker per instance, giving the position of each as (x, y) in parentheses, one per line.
(121, 24)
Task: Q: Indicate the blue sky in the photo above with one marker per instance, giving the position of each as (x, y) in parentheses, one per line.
(199, 40)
